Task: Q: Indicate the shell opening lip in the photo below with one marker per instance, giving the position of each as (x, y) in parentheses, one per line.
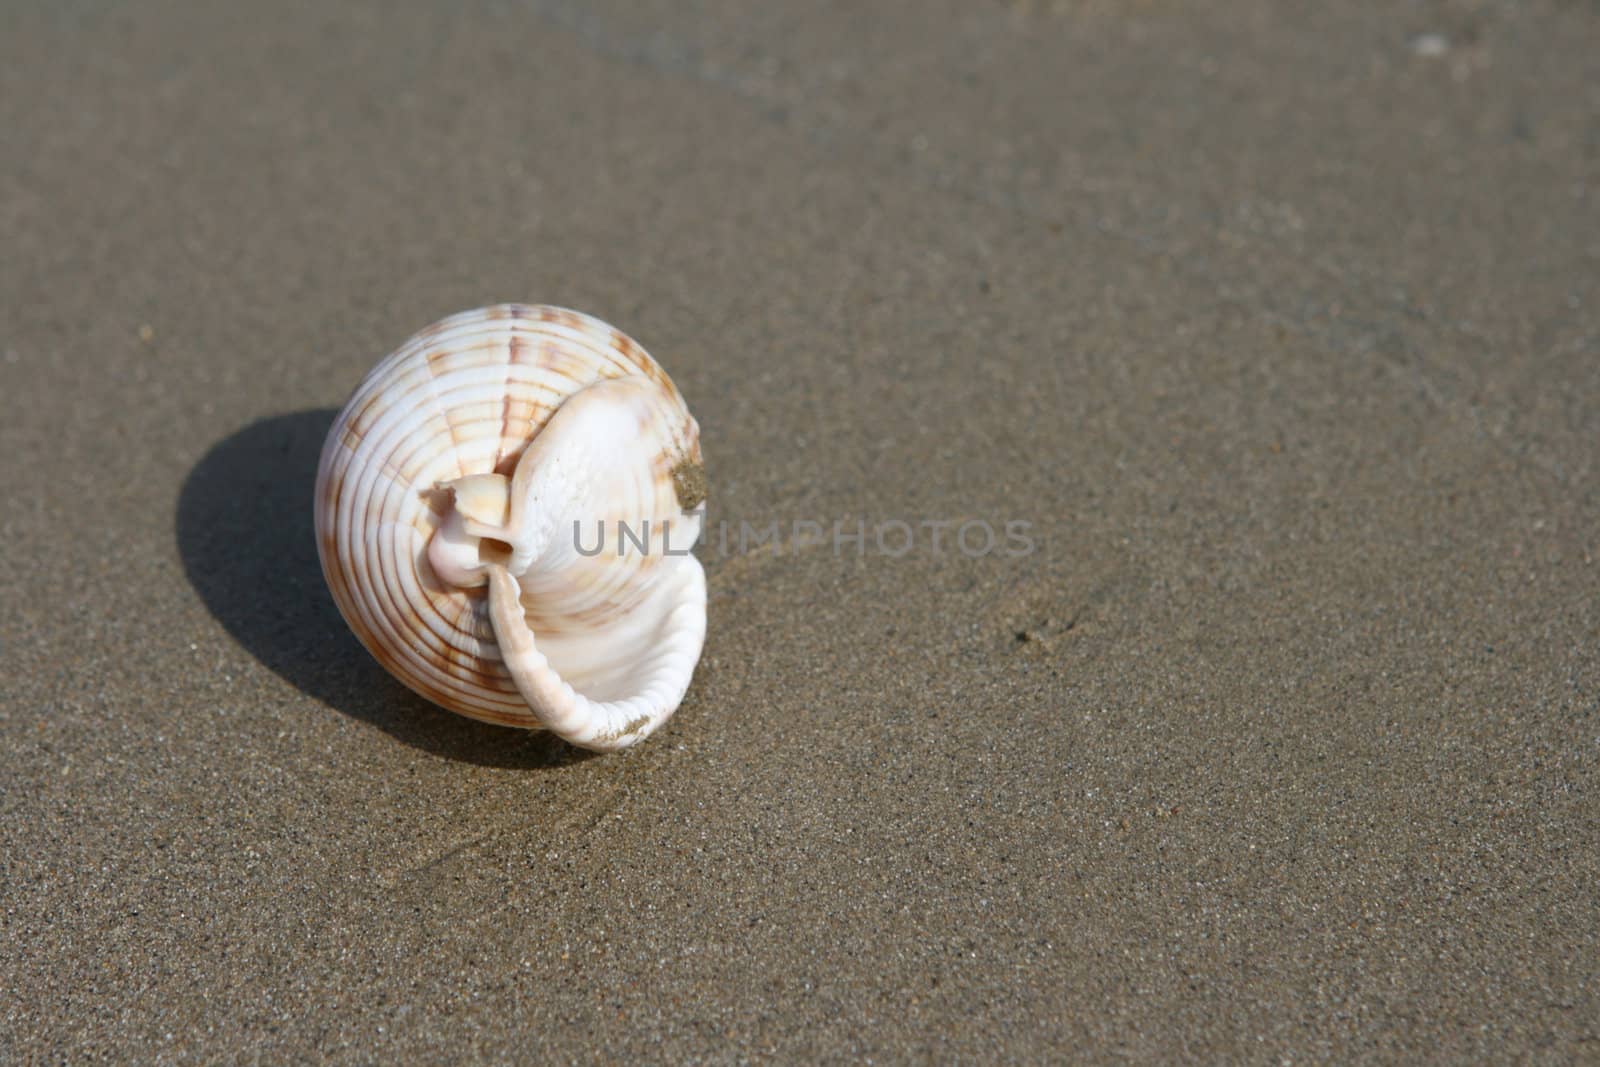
(675, 628)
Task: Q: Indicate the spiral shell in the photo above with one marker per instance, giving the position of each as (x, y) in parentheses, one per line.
(479, 510)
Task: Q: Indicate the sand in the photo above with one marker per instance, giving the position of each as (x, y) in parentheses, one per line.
(1267, 730)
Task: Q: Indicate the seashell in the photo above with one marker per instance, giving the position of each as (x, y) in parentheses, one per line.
(504, 512)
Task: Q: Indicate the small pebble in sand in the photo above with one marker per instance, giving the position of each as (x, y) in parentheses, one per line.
(1430, 45)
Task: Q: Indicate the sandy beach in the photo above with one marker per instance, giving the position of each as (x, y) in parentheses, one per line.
(1262, 725)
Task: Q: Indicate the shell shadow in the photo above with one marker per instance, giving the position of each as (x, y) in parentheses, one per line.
(245, 535)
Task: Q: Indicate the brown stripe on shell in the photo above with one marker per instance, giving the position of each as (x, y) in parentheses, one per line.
(572, 320)
(453, 663)
(327, 542)
(631, 350)
(515, 349)
(507, 714)
(380, 400)
(506, 466)
(436, 357)
(563, 361)
(394, 662)
(331, 493)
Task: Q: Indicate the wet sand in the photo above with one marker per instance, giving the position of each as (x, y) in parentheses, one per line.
(1268, 730)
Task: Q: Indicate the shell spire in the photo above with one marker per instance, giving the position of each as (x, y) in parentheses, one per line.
(504, 514)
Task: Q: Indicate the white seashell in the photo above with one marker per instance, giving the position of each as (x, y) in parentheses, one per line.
(461, 496)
